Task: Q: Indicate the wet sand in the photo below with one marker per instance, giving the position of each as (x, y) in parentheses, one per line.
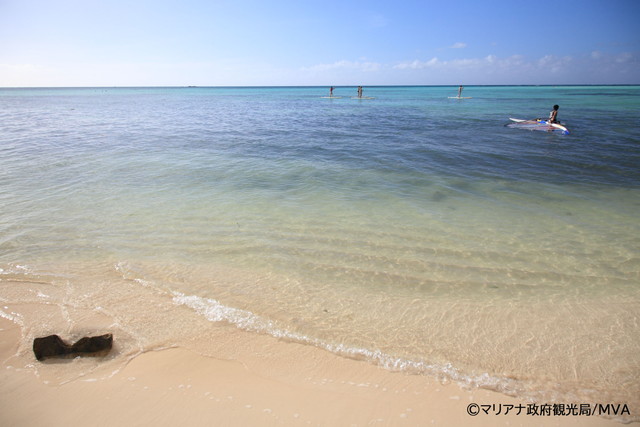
(299, 385)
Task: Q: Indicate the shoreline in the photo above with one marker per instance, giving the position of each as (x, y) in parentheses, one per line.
(297, 385)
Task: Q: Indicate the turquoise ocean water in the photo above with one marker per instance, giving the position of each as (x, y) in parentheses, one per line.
(410, 230)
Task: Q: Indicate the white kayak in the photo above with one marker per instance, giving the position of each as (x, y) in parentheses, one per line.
(538, 124)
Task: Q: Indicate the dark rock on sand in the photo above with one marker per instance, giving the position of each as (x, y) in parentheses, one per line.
(49, 347)
(54, 346)
(93, 344)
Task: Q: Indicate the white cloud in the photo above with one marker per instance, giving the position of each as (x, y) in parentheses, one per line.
(463, 63)
(624, 58)
(458, 45)
(590, 68)
(364, 66)
(417, 65)
(554, 64)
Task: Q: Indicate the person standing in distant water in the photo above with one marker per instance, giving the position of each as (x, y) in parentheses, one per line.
(553, 116)
(460, 91)
(331, 91)
(359, 91)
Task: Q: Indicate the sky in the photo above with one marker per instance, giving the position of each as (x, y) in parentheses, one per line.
(306, 42)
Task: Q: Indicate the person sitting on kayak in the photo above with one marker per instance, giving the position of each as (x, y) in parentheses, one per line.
(553, 116)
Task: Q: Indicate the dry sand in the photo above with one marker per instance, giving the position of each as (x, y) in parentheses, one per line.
(298, 386)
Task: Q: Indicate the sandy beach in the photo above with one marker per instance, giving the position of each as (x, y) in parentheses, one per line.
(298, 385)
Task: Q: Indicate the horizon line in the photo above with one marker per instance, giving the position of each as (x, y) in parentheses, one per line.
(310, 86)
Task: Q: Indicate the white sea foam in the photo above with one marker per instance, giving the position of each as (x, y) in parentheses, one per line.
(16, 318)
(214, 311)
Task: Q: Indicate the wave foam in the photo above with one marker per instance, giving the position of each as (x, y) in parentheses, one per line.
(214, 311)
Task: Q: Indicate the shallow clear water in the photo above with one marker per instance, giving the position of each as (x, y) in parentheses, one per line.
(411, 230)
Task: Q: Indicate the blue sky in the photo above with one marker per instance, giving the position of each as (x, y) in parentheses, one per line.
(283, 42)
